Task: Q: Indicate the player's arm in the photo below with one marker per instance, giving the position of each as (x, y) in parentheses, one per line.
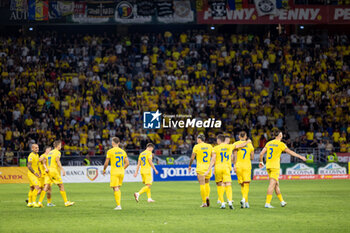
(212, 162)
(292, 153)
(193, 156)
(234, 159)
(39, 171)
(106, 165)
(126, 162)
(252, 155)
(42, 160)
(261, 163)
(32, 170)
(152, 165)
(137, 168)
(60, 166)
(44, 164)
(242, 145)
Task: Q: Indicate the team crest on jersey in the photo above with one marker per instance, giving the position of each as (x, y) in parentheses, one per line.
(92, 173)
(151, 120)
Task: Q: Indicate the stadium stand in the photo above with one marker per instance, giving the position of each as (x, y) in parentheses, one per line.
(86, 88)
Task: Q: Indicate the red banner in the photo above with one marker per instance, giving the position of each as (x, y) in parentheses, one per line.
(294, 15)
(327, 177)
(306, 177)
(299, 177)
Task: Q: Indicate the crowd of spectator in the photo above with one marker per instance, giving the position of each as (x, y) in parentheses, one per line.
(85, 89)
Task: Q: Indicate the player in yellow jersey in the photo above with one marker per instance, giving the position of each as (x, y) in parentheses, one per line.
(145, 161)
(43, 164)
(202, 153)
(119, 162)
(274, 149)
(242, 165)
(229, 164)
(221, 154)
(221, 157)
(54, 170)
(34, 174)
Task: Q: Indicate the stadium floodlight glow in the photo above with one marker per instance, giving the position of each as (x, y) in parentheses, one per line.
(301, 27)
(31, 29)
(212, 28)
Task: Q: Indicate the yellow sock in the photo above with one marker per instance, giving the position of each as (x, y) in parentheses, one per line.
(143, 190)
(268, 198)
(242, 190)
(30, 194)
(148, 193)
(207, 189)
(117, 197)
(64, 196)
(246, 191)
(34, 194)
(280, 197)
(49, 199)
(203, 193)
(229, 192)
(42, 196)
(221, 193)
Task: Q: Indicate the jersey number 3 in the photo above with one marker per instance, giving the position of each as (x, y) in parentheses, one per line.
(271, 151)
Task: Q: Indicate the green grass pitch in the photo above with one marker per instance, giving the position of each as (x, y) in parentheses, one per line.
(313, 206)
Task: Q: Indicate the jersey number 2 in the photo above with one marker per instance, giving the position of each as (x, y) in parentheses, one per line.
(204, 158)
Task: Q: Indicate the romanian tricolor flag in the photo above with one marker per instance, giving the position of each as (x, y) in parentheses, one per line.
(235, 4)
(38, 10)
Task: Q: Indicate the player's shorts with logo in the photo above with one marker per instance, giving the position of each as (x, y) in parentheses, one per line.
(33, 180)
(273, 173)
(223, 175)
(243, 174)
(201, 173)
(147, 178)
(116, 180)
(55, 177)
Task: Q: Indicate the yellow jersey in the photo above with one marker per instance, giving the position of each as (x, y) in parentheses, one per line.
(273, 153)
(243, 155)
(41, 166)
(117, 158)
(51, 159)
(223, 156)
(203, 155)
(34, 159)
(145, 165)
